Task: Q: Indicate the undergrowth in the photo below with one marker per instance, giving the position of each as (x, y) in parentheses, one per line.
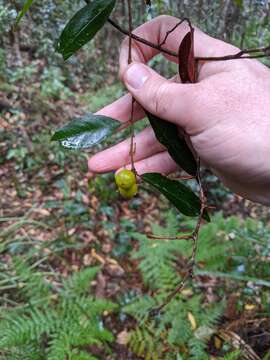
(52, 318)
(227, 248)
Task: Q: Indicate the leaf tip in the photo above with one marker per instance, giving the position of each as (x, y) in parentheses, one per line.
(54, 137)
(206, 216)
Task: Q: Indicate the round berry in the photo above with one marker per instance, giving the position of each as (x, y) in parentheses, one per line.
(125, 179)
(129, 193)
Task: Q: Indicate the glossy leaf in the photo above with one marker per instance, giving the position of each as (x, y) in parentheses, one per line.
(83, 26)
(86, 131)
(167, 134)
(177, 193)
(24, 10)
(187, 62)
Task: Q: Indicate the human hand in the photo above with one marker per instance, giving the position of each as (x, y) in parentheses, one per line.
(226, 114)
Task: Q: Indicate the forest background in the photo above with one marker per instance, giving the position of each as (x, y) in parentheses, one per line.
(78, 273)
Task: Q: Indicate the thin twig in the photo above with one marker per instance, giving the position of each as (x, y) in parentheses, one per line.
(177, 290)
(132, 134)
(263, 51)
(129, 32)
(194, 237)
(195, 234)
(200, 218)
(132, 138)
(163, 42)
(141, 40)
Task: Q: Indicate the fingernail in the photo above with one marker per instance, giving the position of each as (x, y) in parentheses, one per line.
(136, 75)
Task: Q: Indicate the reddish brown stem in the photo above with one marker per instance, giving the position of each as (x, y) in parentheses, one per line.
(129, 33)
(195, 234)
(132, 135)
(263, 51)
(173, 29)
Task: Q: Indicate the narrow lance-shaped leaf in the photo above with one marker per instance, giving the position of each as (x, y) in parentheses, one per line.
(167, 134)
(83, 26)
(186, 58)
(177, 193)
(86, 131)
(24, 10)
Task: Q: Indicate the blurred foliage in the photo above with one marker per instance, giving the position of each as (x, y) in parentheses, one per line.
(183, 330)
(59, 318)
(243, 23)
(43, 92)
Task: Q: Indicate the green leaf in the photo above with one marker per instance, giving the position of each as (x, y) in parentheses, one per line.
(24, 10)
(167, 134)
(85, 132)
(177, 193)
(83, 26)
(239, 3)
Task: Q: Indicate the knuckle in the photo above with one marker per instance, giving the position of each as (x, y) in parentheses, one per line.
(124, 42)
(162, 18)
(160, 99)
(120, 75)
(165, 18)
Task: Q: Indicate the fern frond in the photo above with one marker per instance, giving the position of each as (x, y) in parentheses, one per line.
(180, 330)
(80, 281)
(32, 283)
(143, 344)
(82, 355)
(20, 330)
(197, 350)
(211, 315)
(58, 332)
(234, 355)
(27, 352)
(141, 306)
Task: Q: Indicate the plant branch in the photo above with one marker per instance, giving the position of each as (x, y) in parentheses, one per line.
(141, 40)
(194, 237)
(163, 42)
(262, 52)
(129, 32)
(132, 135)
(195, 234)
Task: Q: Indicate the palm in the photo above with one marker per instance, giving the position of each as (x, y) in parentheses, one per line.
(225, 113)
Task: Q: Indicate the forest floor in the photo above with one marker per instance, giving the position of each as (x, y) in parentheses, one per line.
(75, 219)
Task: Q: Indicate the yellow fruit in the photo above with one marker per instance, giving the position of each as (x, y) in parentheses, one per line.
(125, 179)
(129, 193)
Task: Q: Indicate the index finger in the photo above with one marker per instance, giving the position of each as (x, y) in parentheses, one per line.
(155, 31)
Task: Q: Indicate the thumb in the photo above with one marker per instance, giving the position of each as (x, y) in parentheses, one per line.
(171, 101)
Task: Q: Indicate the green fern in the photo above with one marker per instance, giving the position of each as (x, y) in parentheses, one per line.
(143, 344)
(219, 242)
(79, 282)
(173, 329)
(234, 355)
(32, 284)
(56, 329)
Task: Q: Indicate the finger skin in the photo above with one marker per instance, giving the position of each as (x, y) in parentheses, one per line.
(119, 155)
(121, 108)
(155, 31)
(171, 101)
(226, 114)
(161, 163)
